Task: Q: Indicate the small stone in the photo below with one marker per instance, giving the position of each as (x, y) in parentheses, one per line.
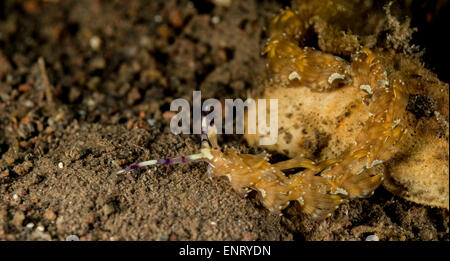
(146, 42)
(130, 124)
(18, 218)
(60, 225)
(31, 7)
(50, 215)
(24, 87)
(164, 31)
(220, 57)
(93, 83)
(97, 63)
(9, 158)
(60, 165)
(39, 235)
(74, 94)
(173, 237)
(28, 103)
(176, 18)
(108, 209)
(23, 168)
(162, 237)
(5, 174)
(133, 96)
(89, 218)
(157, 19)
(75, 152)
(72, 238)
(150, 75)
(215, 19)
(372, 238)
(151, 122)
(95, 42)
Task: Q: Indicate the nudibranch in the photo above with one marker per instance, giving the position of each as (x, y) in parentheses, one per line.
(318, 196)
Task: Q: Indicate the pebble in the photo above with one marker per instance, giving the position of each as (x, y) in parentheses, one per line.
(74, 94)
(18, 218)
(146, 42)
(93, 83)
(157, 19)
(164, 31)
(215, 19)
(5, 173)
(72, 238)
(133, 96)
(60, 224)
(89, 218)
(91, 103)
(50, 215)
(173, 237)
(28, 104)
(24, 87)
(40, 228)
(176, 18)
(31, 7)
(95, 42)
(39, 235)
(29, 225)
(162, 237)
(23, 168)
(151, 122)
(108, 209)
(60, 165)
(97, 63)
(372, 238)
